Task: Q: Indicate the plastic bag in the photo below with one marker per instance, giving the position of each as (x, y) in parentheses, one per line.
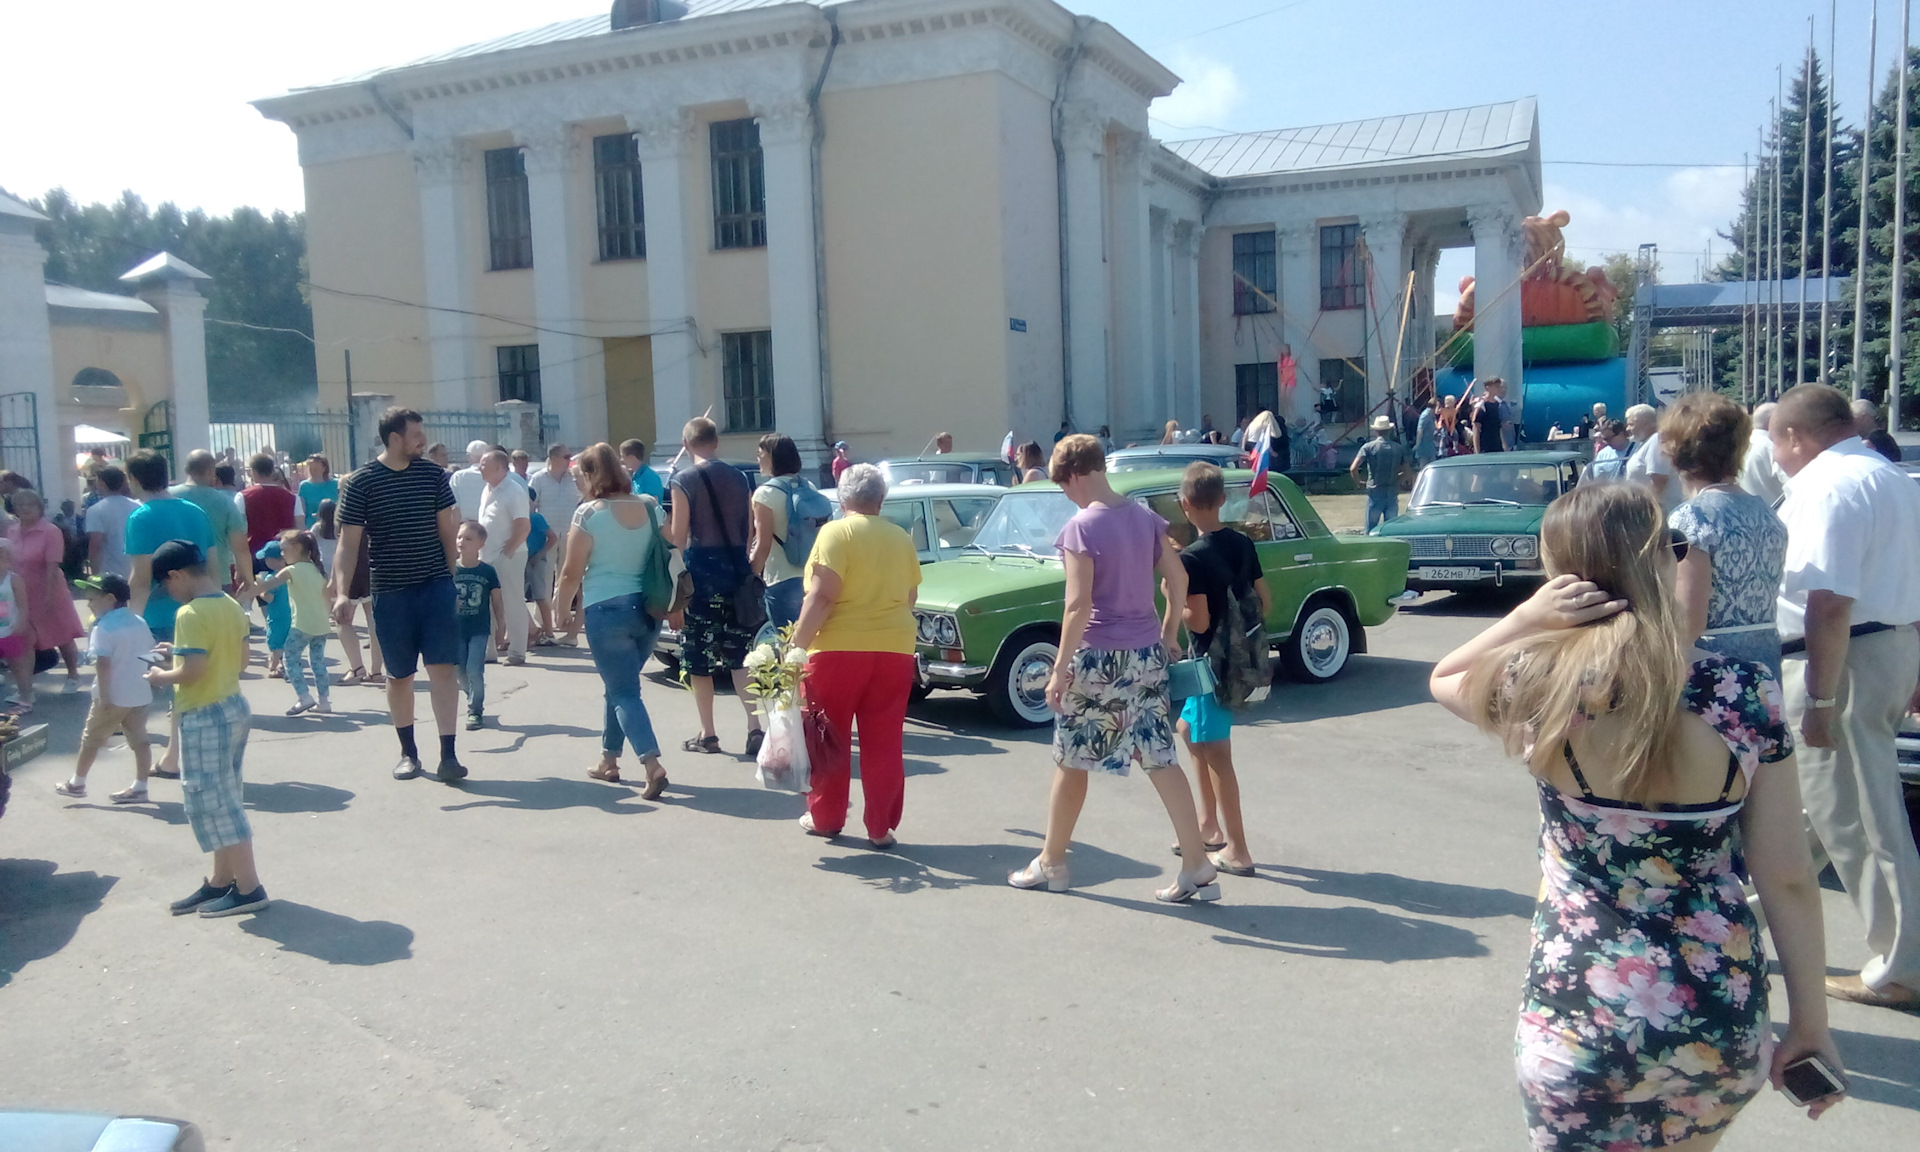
(783, 762)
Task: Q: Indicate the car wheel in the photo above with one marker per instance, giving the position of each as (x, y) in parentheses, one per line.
(1017, 687)
(669, 663)
(1320, 645)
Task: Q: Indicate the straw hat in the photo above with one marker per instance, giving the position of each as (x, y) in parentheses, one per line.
(1383, 423)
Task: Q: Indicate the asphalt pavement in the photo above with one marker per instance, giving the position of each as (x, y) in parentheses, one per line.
(534, 960)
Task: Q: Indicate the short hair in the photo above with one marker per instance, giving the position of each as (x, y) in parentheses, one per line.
(601, 470)
(148, 469)
(555, 449)
(1865, 408)
(113, 478)
(1763, 415)
(200, 464)
(30, 495)
(781, 450)
(1491, 381)
(395, 420)
(1813, 409)
(1203, 486)
(521, 454)
(262, 464)
(1076, 455)
(1639, 412)
(496, 454)
(1609, 428)
(1706, 436)
(475, 527)
(436, 446)
(862, 486)
(223, 475)
(634, 448)
(700, 432)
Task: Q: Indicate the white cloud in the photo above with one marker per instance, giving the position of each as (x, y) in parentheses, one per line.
(1209, 95)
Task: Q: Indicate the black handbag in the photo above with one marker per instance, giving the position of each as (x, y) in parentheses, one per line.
(750, 595)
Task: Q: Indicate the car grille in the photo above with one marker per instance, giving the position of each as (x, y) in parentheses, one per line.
(1464, 547)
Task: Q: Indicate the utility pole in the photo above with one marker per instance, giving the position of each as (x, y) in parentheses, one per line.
(1866, 185)
(1806, 207)
(1747, 281)
(1897, 346)
(1826, 196)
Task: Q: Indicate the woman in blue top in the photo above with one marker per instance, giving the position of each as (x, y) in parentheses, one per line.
(613, 530)
(320, 484)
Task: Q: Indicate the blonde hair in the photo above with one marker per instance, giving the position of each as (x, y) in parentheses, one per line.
(1630, 666)
(295, 537)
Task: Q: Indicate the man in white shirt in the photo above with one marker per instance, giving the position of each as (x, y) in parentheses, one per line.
(106, 525)
(1849, 603)
(1760, 475)
(1646, 462)
(506, 514)
(468, 484)
(559, 492)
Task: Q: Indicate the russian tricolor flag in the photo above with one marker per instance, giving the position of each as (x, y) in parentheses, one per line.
(1262, 463)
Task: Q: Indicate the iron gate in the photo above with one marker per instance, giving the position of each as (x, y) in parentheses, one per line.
(20, 435)
(156, 432)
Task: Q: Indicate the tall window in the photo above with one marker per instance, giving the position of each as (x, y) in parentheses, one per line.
(1256, 389)
(519, 366)
(1254, 272)
(1343, 282)
(509, 218)
(739, 185)
(1349, 384)
(746, 369)
(622, 213)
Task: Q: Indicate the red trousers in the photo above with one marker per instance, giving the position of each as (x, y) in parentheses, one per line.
(870, 689)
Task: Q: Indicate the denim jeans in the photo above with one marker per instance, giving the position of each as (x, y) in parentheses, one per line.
(621, 635)
(473, 670)
(1383, 504)
(783, 604)
(300, 648)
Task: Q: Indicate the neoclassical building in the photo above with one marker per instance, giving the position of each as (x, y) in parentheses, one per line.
(870, 220)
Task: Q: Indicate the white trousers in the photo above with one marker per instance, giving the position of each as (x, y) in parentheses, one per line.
(512, 571)
(1856, 815)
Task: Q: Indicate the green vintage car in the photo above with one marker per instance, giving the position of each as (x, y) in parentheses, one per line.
(1474, 521)
(990, 620)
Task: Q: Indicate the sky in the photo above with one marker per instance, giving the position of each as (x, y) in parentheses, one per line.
(126, 94)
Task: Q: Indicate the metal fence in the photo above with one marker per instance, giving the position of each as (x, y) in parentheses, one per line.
(20, 435)
(330, 433)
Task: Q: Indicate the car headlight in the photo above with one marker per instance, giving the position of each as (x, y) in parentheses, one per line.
(923, 627)
(1502, 546)
(946, 631)
(1526, 547)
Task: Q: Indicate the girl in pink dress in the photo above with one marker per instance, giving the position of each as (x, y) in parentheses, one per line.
(38, 547)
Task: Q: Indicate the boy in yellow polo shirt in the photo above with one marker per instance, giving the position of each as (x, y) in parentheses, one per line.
(209, 649)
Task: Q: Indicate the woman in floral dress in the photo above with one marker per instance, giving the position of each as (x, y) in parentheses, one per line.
(1665, 780)
(38, 547)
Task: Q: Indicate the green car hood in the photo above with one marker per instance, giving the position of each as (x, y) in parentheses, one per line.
(1474, 519)
(977, 584)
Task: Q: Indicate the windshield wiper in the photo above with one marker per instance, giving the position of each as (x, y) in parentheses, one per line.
(1440, 504)
(1491, 500)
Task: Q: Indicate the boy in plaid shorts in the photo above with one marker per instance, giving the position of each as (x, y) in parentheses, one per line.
(209, 648)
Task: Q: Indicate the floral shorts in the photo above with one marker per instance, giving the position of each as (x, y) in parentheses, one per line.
(713, 643)
(1116, 712)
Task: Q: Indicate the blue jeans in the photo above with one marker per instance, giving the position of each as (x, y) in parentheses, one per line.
(1383, 504)
(621, 635)
(473, 671)
(783, 603)
(300, 648)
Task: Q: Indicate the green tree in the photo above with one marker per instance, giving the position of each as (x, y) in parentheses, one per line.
(258, 266)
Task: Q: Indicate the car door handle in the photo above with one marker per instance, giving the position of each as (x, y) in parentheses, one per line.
(1301, 557)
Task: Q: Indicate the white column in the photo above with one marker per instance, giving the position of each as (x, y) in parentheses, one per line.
(786, 135)
(1496, 298)
(1186, 263)
(1160, 322)
(441, 167)
(179, 300)
(673, 235)
(1300, 307)
(26, 341)
(573, 379)
(1425, 338)
(1137, 402)
(1085, 142)
(1387, 244)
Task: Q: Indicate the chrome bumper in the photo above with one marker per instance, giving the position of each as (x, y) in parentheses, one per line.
(939, 674)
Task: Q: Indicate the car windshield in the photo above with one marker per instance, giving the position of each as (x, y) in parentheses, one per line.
(1025, 524)
(914, 472)
(1152, 461)
(1487, 484)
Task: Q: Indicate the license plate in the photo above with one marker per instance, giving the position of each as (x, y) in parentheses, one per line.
(1452, 574)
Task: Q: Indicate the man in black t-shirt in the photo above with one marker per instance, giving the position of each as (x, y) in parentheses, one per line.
(1220, 562)
(1490, 418)
(402, 508)
(711, 518)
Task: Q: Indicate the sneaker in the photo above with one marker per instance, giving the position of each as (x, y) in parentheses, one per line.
(406, 768)
(205, 894)
(71, 686)
(450, 770)
(74, 788)
(131, 794)
(232, 903)
(324, 708)
(516, 661)
(302, 706)
(474, 721)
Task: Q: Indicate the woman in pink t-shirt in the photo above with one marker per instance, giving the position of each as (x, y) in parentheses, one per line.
(1109, 687)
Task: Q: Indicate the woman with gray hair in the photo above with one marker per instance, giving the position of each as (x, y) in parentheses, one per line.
(857, 627)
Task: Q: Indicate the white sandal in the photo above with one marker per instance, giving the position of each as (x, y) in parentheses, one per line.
(1038, 873)
(1187, 888)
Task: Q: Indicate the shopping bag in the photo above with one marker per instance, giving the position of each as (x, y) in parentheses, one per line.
(784, 765)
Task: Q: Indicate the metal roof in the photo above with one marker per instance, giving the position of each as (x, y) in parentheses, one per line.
(164, 266)
(581, 28)
(1484, 130)
(9, 206)
(1706, 305)
(63, 296)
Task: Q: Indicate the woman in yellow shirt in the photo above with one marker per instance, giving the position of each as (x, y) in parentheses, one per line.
(856, 624)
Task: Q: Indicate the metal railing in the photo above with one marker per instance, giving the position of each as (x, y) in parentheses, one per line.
(331, 433)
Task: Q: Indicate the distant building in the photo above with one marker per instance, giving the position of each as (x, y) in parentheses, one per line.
(868, 219)
(76, 364)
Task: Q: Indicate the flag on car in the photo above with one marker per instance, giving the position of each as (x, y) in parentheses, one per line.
(1262, 462)
(1006, 448)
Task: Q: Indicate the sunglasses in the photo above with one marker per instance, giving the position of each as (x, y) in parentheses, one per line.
(1679, 543)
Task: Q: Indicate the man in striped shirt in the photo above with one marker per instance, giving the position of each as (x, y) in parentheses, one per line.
(402, 508)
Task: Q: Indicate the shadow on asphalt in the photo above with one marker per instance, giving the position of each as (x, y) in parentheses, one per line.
(549, 794)
(304, 724)
(1370, 684)
(1425, 897)
(914, 867)
(329, 936)
(740, 803)
(1351, 933)
(954, 713)
(297, 796)
(1881, 1069)
(523, 732)
(165, 811)
(41, 908)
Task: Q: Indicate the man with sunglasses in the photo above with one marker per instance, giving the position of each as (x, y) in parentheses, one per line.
(1849, 602)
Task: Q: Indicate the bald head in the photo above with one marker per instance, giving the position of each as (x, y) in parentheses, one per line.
(1866, 417)
(1763, 415)
(1809, 420)
(200, 465)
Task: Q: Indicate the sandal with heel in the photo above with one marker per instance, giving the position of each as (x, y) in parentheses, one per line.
(1187, 888)
(1039, 873)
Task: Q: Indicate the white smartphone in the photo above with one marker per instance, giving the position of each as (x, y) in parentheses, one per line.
(1808, 1079)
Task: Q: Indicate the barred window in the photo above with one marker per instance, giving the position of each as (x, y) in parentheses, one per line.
(519, 367)
(746, 368)
(739, 185)
(622, 210)
(1342, 281)
(1254, 272)
(509, 218)
(1256, 389)
(1349, 384)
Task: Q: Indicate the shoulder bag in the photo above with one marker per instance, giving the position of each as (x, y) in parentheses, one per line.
(750, 597)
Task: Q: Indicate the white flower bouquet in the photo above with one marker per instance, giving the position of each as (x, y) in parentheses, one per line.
(775, 670)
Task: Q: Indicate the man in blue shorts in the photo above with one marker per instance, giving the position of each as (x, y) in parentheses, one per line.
(401, 508)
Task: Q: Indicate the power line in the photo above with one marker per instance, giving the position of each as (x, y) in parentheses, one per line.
(1242, 20)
